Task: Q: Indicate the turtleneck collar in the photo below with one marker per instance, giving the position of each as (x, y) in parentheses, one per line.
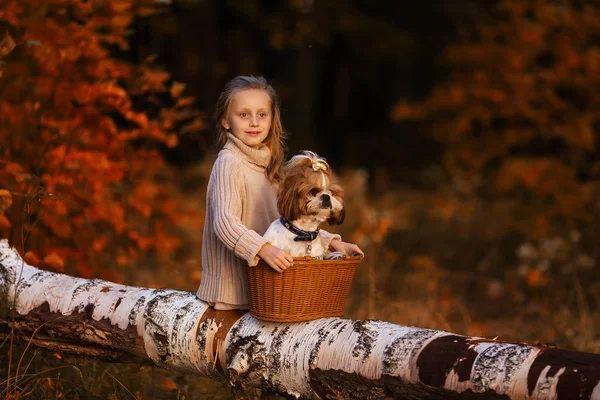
(259, 156)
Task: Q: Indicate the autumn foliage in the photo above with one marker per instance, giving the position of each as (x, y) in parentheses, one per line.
(82, 178)
(518, 114)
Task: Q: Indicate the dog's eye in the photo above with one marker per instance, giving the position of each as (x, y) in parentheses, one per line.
(313, 192)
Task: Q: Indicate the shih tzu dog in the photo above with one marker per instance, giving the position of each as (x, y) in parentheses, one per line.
(308, 196)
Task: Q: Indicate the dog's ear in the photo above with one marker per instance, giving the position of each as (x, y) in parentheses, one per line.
(337, 192)
(338, 217)
(289, 200)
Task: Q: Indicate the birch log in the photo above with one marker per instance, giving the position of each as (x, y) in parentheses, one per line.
(325, 358)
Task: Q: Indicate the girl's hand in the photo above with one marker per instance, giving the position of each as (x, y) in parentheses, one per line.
(276, 258)
(349, 249)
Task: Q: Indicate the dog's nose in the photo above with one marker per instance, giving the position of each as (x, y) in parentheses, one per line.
(325, 201)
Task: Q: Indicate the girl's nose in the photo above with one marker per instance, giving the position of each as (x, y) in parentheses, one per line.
(253, 121)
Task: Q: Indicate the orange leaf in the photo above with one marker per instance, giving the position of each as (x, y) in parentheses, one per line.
(169, 385)
(172, 141)
(57, 356)
(7, 44)
(98, 244)
(534, 277)
(422, 261)
(31, 259)
(4, 223)
(55, 262)
(177, 89)
(139, 118)
(184, 101)
(85, 269)
(15, 170)
(5, 199)
(122, 259)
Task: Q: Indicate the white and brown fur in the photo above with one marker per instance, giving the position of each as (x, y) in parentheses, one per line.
(307, 198)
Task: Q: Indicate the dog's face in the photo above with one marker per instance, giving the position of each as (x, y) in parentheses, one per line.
(309, 190)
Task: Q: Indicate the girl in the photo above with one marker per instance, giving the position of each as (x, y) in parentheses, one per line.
(241, 198)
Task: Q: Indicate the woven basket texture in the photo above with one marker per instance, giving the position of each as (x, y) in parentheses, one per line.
(310, 289)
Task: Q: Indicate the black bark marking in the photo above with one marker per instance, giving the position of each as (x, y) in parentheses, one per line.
(339, 324)
(273, 386)
(135, 310)
(249, 347)
(162, 346)
(253, 350)
(581, 375)
(114, 306)
(85, 287)
(8, 277)
(87, 311)
(275, 350)
(444, 354)
(234, 331)
(402, 350)
(179, 321)
(366, 338)
(160, 333)
(315, 350)
(498, 359)
(156, 292)
(35, 278)
(201, 338)
(3, 257)
(159, 300)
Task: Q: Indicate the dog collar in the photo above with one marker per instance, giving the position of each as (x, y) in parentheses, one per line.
(301, 235)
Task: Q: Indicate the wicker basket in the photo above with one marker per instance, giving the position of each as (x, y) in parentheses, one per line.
(310, 289)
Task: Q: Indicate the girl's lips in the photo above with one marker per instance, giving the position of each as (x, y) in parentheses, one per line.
(253, 132)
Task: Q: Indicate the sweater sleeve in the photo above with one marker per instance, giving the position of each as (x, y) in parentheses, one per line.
(225, 197)
(327, 237)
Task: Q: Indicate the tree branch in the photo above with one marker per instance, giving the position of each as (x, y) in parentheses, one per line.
(326, 358)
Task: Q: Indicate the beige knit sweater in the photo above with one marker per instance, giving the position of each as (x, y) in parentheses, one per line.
(241, 203)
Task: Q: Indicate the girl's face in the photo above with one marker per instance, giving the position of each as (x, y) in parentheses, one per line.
(249, 116)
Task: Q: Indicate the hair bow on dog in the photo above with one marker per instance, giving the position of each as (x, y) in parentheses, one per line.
(319, 166)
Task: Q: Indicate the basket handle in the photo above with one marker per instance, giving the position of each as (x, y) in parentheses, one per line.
(309, 258)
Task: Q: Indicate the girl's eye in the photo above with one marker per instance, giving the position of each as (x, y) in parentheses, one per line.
(313, 192)
(263, 115)
(243, 115)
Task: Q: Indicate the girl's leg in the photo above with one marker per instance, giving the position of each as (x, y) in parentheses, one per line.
(225, 306)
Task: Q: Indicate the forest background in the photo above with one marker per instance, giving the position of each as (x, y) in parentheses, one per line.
(466, 135)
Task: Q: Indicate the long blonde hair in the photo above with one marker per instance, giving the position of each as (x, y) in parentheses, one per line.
(274, 140)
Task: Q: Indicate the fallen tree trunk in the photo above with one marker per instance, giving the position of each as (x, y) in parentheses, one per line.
(327, 358)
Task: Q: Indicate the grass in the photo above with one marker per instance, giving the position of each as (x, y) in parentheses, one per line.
(47, 375)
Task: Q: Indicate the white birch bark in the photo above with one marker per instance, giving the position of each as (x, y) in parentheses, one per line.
(325, 358)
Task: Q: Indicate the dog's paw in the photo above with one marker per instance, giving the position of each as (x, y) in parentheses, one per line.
(334, 255)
